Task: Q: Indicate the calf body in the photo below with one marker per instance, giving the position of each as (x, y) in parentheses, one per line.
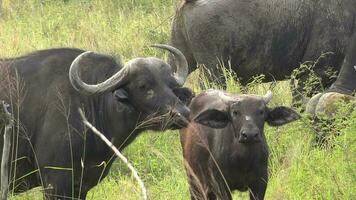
(224, 146)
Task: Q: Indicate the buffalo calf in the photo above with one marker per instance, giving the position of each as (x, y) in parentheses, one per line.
(224, 145)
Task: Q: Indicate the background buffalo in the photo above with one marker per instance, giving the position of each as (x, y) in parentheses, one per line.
(270, 37)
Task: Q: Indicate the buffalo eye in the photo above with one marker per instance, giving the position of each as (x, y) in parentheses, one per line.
(143, 87)
(261, 112)
(236, 113)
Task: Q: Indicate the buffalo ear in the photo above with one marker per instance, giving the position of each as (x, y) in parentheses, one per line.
(184, 94)
(121, 95)
(213, 118)
(281, 115)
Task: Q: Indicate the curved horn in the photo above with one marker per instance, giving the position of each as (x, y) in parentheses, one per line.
(182, 64)
(113, 82)
(268, 96)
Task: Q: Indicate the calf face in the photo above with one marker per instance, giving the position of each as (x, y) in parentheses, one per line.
(226, 130)
(246, 114)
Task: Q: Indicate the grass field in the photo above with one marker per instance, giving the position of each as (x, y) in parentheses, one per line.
(298, 168)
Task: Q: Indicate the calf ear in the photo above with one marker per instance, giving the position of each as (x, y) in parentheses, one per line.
(213, 118)
(121, 95)
(281, 115)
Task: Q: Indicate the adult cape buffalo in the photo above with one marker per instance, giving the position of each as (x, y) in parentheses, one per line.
(53, 148)
(270, 37)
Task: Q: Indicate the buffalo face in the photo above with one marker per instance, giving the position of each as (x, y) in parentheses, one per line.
(153, 90)
(149, 85)
(244, 116)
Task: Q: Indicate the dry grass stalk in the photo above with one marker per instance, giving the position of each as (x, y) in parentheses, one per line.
(6, 117)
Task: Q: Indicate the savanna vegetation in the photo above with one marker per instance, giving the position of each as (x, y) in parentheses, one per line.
(299, 167)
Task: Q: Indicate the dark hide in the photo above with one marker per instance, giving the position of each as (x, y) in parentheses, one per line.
(270, 37)
(226, 130)
(54, 149)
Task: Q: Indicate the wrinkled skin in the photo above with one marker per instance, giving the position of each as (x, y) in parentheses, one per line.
(270, 37)
(229, 129)
(342, 90)
(52, 137)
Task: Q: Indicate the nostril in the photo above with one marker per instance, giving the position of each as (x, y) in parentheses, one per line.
(256, 137)
(244, 134)
(249, 136)
(243, 137)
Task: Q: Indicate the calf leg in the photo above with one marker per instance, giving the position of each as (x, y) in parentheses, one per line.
(199, 190)
(211, 196)
(258, 188)
(202, 195)
(222, 191)
(196, 191)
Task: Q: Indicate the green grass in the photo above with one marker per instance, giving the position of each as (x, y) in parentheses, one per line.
(298, 168)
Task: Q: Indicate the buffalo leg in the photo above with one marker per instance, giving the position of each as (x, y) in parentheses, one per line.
(213, 72)
(297, 87)
(62, 191)
(301, 89)
(83, 196)
(58, 185)
(323, 67)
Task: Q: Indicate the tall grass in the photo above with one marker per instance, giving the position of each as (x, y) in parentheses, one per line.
(298, 168)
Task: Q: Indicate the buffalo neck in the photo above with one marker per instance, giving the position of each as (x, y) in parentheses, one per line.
(116, 120)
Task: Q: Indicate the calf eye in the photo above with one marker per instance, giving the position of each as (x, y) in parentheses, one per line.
(262, 112)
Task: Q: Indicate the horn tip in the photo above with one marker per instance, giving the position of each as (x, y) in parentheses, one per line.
(268, 96)
(157, 45)
(84, 54)
(88, 52)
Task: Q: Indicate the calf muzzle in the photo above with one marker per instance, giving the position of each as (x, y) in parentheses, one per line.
(249, 136)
